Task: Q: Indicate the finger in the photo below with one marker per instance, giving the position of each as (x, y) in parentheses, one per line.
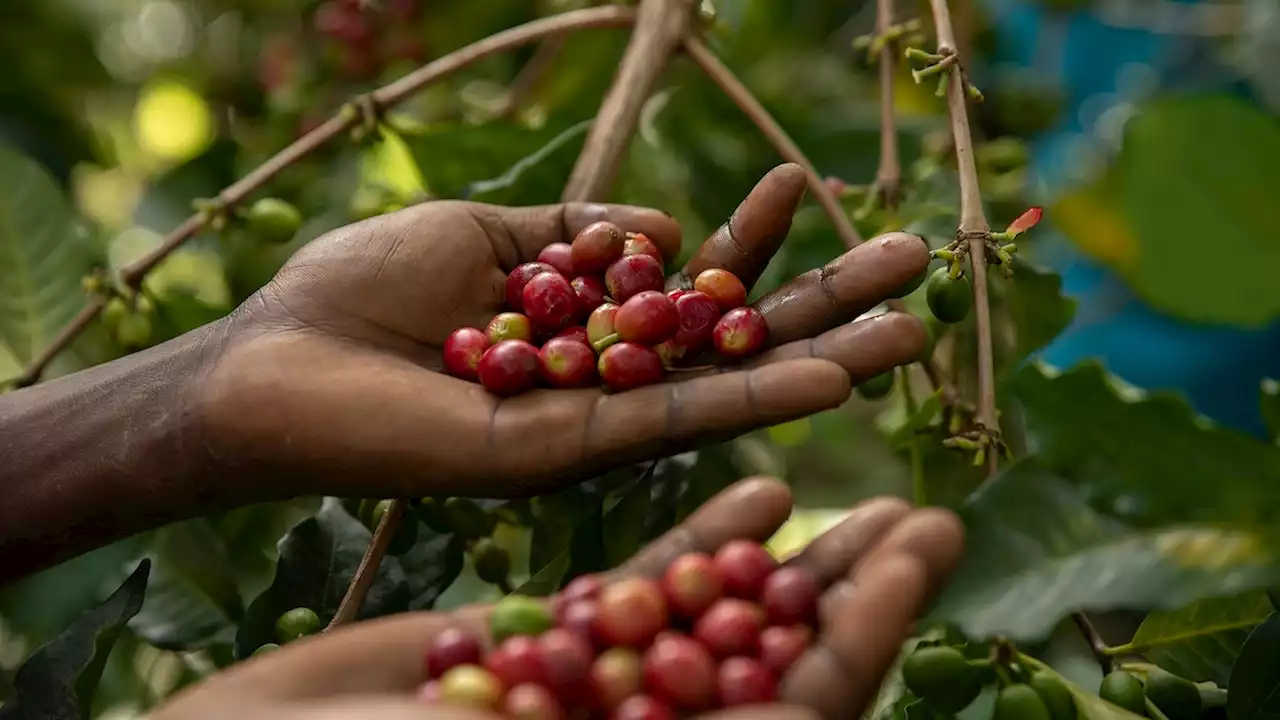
(745, 244)
(833, 553)
(526, 230)
(367, 708)
(842, 671)
(844, 288)
(773, 711)
(751, 509)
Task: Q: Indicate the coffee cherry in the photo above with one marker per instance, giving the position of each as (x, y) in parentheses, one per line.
(577, 616)
(509, 326)
(1057, 696)
(518, 278)
(583, 587)
(630, 612)
(467, 518)
(134, 330)
(679, 671)
(265, 649)
(566, 660)
(518, 615)
(471, 686)
(462, 352)
(942, 677)
(642, 707)
(577, 333)
(615, 676)
(596, 247)
(745, 681)
(677, 293)
(528, 701)
(432, 513)
(722, 286)
(451, 648)
(509, 368)
(559, 256)
(949, 298)
(1019, 702)
(781, 646)
(1123, 689)
(632, 275)
(406, 534)
(589, 290)
(741, 332)
(567, 363)
(273, 220)
(600, 326)
(492, 563)
(516, 660)
(670, 352)
(790, 596)
(297, 623)
(647, 318)
(1177, 697)
(730, 627)
(876, 386)
(550, 302)
(744, 565)
(627, 365)
(639, 244)
(430, 692)
(692, 584)
(698, 317)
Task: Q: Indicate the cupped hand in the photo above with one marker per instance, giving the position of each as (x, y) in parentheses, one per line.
(879, 567)
(329, 380)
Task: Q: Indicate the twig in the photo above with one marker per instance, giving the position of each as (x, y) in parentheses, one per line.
(380, 99)
(660, 25)
(919, 490)
(889, 171)
(1096, 643)
(349, 608)
(723, 77)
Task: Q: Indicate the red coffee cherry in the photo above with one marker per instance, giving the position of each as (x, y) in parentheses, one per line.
(790, 596)
(630, 612)
(577, 616)
(647, 318)
(741, 332)
(744, 565)
(451, 648)
(780, 647)
(627, 365)
(462, 352)
(723, 286)
(559, 256)
(509, 368)
(566, 662)
(549, 301)
(640, 244)
(596, 247)
(518, 659)
(577, 332)
(745, 681)
(698, 317)
(680, 672)
(567, 363)
(692, 584)
(589, 290)
(528, 701)
(600, 324)
(583, 587)
(730, 627)
(632, 275)
(642, 707)
(518, 278)
(615, 676)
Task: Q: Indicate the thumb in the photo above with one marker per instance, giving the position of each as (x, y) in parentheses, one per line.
(529, 229)
(373, 707)
(764, 712)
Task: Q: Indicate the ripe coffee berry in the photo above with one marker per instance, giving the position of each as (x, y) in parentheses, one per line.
(531, 702)
(741, 332)
(698, 317)
(589, 290)
(615, 676)
(550, 302)
(583, 587)
(639, 244)
(559, 256)
(567, 363)
(790, 596)
(631, 275)
(647, 318)
(462, 352)
(745, 681)
(518, 278)
(643, 707)
(471, 686)
(516, 660)
(508, 368)
(730, 627)
(723, 286)
(600, 326)
(627, 365)
(509, 326)
(596, 247)
(680, 672)
(577, 616)
(630, 612)
(692, 584)
(744, 565)
(577, 332)
(566, 662)
(780, 647)
(451, 648)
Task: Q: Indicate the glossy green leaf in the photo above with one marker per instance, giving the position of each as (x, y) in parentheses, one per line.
(318, 558)
(43, 256)
(1037, 310)
(432, 565)
(1036, 552)
(192, 599)
(1147, 458)
(58, 681)
(1254, 689)
(1200, 641)
(625, 519)
(1189, 183)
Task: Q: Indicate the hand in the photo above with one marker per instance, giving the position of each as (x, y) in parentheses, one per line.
(880, 567)
(328, 379)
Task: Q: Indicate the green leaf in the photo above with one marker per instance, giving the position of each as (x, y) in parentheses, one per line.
(1037, 552)
(58, 681)
(1270, 403)
(1037, 309)
(318, 558)
(1187, 184)
(1147, 458)
(1254, 690)
(43, 255)
(192, 599)
(432, 565)
(1200, 641)
(625, 520)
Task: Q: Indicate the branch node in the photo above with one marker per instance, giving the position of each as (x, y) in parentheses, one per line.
(366, 113)
(213, 213)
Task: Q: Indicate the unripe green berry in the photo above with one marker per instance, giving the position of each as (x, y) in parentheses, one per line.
(297, 623)
(273, 220)
(949, 298)
(468, 519)
(432, 512)
(1055, 694)
(518, 615)
(134, 330)
(942, 677)
(876, 387)
(1124, 689)
(114, 312)
(492, 563)
(406, 532)
(1020, 702)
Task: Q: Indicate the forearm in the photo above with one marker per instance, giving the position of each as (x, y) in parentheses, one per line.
(101, 454)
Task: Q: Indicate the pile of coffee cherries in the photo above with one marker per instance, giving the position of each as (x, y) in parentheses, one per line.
(594, 310)
(713, 632)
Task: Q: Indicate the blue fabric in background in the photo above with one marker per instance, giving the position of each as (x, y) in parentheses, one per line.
(1217, 368)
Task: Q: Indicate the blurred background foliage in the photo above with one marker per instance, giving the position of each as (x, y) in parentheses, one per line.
(1146, 128)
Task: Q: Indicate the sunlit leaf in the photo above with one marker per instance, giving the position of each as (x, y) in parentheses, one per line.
(1200, 641)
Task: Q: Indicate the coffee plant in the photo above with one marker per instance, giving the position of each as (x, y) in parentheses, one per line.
(1121, 548)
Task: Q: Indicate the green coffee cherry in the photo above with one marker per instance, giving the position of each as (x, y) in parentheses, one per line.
(942, 677)
(518, 615)
(468, 519)
(265, 649)
(432, 513)
(1176, 697)
(134, 330)
(492, 563)
(115, 311)
(876, 387)
(1124, 690)
(949, 298)
(273, 220)
(296, 623)
(406, 532)
(1055, 694)
(1020, 702)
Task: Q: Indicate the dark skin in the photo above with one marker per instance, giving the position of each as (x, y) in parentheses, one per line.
(327, 381)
